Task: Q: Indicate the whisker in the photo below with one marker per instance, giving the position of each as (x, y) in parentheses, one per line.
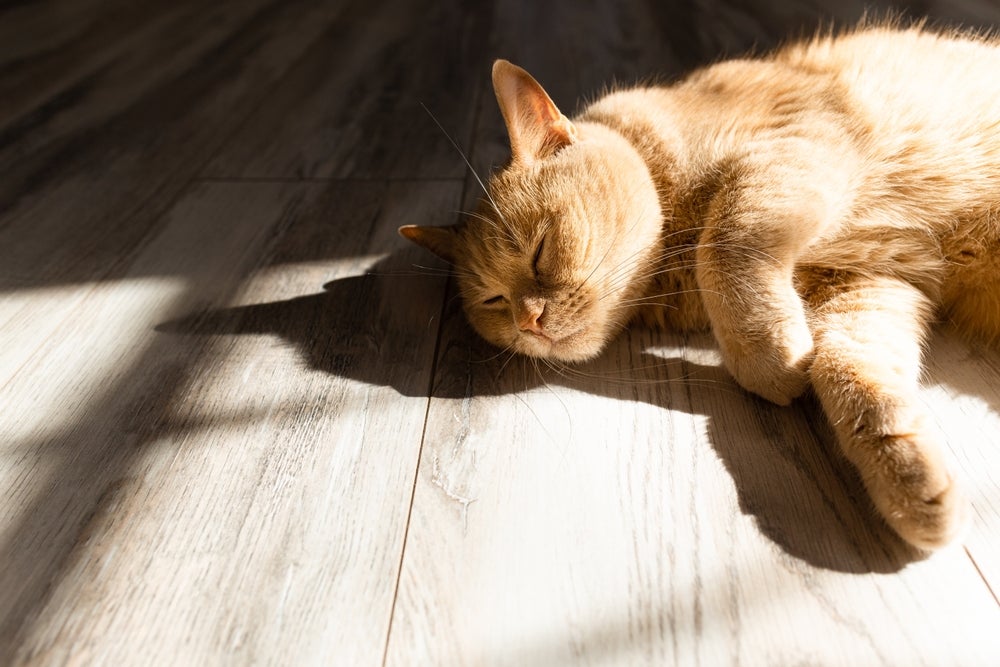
(513, 353)
(541, 378)
(509, 348)
(619, 378)
(457, 148)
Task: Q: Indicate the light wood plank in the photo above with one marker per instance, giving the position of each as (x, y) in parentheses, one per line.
(87, 187)
(65, 441)
(285, 428)
(616, 521)
(963, 401)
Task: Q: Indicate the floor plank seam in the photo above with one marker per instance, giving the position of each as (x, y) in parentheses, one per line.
(413, 493)
(416, 470)
(198, 169)
(446, 297)
(982, 576)
(330, 179)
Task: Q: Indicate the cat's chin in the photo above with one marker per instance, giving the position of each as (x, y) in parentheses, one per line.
(573, 348)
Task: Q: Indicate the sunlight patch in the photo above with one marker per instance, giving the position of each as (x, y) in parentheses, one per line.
(51, 380)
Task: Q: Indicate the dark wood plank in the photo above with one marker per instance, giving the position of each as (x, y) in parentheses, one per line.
(28, 30)
(359, 103)
(83, 188)
(50, 49)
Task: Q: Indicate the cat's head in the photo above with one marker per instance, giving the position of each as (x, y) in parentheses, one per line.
(560, 245)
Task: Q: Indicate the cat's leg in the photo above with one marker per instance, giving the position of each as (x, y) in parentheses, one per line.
(865, 371)
(762, 331)
(745, 260)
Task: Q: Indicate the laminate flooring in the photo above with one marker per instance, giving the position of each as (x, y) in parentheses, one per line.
(242, 422)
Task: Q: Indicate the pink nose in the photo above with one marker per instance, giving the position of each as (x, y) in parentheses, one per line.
(529, 322)
(529, 314)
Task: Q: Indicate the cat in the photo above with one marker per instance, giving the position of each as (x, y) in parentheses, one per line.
(817, 208)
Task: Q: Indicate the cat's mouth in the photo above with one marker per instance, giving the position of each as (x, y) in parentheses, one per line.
(569, 346)
(538, 335)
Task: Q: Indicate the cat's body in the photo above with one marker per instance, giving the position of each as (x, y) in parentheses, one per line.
(817, 209)
(899, 133)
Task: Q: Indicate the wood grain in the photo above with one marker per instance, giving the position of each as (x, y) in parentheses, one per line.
(243, 423)
(963, 399)
(356, 106)
(50, 52)
(535, 517)
(281, 432)
(538, 505)
(86, 182)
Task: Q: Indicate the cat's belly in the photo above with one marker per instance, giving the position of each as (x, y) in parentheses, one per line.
(958, 269)
(970, 295)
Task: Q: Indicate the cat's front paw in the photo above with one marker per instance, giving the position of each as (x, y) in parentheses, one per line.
(776, 367)
(779, 378)
(917, 494)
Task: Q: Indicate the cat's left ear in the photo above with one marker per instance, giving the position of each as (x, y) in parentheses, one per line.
(536, 127)
(439, 240)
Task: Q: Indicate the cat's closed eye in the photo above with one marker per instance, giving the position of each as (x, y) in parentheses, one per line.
(538, 255)
(494, 300)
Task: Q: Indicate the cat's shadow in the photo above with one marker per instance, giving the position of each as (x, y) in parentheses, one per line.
(782, 461)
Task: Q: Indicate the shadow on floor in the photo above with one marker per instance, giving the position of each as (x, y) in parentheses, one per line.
(783, 462)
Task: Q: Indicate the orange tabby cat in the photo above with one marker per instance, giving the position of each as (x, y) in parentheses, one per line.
(816, 208)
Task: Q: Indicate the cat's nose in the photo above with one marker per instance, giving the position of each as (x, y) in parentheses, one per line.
(528, 315)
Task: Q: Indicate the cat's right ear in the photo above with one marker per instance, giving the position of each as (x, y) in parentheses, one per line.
(439, 240)
(535, 126)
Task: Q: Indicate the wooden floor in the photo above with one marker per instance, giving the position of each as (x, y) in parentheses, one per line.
(242, 423)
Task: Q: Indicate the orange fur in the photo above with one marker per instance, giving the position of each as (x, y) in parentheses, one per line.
(817, 208)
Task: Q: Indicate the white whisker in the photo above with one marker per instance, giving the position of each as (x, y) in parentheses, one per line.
(467, 163)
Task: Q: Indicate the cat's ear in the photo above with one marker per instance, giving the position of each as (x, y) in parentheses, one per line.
(439, 240)
(536, 127)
